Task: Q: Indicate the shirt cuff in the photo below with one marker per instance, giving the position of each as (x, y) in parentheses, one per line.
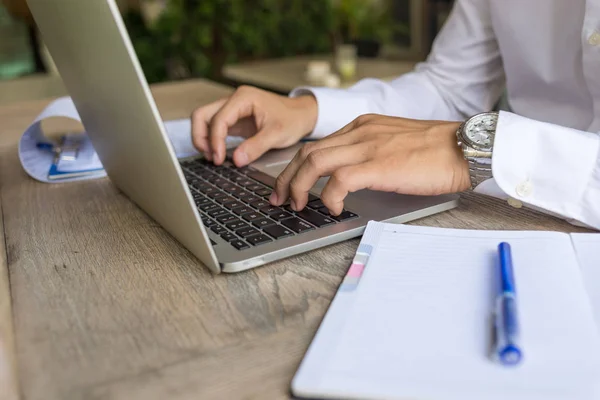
(549, 167)
(336, 108)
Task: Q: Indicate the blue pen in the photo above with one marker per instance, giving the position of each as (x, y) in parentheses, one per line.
(507, 349)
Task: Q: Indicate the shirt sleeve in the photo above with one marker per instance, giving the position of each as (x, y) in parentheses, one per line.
(547, 167)
(463, 75)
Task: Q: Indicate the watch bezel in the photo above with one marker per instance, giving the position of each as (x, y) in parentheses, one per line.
(467, 141)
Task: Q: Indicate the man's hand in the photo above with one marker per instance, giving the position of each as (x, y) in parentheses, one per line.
(378, 153)
(267, 120)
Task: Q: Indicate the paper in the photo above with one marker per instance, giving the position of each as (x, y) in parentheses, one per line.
(420, 322)
(587, 247)
(37, 160)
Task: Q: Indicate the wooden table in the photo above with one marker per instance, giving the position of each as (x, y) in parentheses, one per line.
(34, 87)
(283, 75)
(107, 305)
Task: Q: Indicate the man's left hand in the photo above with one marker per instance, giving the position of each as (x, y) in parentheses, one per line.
(379, 153)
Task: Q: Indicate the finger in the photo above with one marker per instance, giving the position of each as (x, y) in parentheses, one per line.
(236, 108)
(201, 118)
(323, 163)
(255, 146)
(347, 180)
(281, 192)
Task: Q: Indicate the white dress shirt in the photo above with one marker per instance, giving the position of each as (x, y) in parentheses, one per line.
(546, 55)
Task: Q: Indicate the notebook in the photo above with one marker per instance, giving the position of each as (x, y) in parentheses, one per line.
(412, 319)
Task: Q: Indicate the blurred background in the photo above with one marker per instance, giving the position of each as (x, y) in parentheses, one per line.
(274, 44)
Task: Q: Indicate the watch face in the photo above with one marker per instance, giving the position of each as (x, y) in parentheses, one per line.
(479, 131)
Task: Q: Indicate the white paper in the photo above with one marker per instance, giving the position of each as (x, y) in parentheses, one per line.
(420, 324)
(37, 161)
(587, 246)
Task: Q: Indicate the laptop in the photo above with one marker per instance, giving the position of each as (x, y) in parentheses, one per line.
(220, 214)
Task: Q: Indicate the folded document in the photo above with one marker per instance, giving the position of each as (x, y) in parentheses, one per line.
(73, 157)
(412, 318)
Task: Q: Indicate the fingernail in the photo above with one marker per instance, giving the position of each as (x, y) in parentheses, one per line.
(273, 199)
(293, 204)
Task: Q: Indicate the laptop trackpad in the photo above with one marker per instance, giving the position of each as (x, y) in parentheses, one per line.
(274, 162)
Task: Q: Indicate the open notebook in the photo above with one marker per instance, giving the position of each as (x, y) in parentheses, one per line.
(412, 318)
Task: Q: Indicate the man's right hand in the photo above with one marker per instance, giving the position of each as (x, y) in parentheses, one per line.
(267, 120)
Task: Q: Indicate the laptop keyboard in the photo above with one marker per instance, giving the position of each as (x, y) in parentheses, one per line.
(233, 203)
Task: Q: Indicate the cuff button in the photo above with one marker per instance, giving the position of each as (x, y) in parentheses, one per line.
(524, 189)
(514, 202)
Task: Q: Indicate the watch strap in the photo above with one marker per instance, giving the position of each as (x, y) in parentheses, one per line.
(480, 169)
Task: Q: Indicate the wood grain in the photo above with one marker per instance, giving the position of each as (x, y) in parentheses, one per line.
(9, 388)
(108, 306)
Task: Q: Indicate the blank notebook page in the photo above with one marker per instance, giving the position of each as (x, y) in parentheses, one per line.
(420, 327)
(587, 247)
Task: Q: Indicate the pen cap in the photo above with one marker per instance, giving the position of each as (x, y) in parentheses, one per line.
(506, 267)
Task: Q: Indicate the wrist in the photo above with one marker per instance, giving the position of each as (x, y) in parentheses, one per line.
(306, 109)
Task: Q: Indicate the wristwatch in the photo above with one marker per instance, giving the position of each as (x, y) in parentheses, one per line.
(476, 139)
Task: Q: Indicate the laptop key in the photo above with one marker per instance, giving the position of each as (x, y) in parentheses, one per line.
(288, 208)
(324, 210)
(226, 218)
(228, 236)
(246, 183)
(258, 239)
(251, 216)
(217, 195)
(202, 200)
(277, 231)
(238, 178)
(209, 223)
(218, 229)
(201, 186)
(210, 206)
(236, 225)
(260, 204)
(255, 186)
(344, 216)
(208, 189)
(316, 204)
(280, 215)
(217, 212)
(242, 210)
(297, 225)
(264, 192)
(225, 199)
(233, 204)
(270, 210)
(314, 217)
(262, 222)
(239, 244)
(245, 232)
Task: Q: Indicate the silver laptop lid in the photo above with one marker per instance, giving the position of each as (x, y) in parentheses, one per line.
(90, 45)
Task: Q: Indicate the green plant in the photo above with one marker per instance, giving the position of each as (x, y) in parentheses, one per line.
(365, 20)
(194, 38)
